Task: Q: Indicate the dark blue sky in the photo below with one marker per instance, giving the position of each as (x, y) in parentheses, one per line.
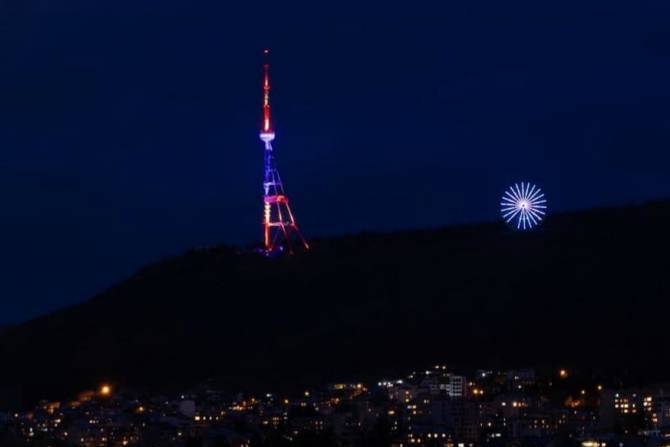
(128, 129)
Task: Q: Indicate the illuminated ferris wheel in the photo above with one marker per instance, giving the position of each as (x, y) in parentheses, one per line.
(523, 207)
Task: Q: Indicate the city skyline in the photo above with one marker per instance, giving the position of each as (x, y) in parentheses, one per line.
(435, 406)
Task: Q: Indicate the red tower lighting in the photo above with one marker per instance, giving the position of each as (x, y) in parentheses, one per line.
(280, 229)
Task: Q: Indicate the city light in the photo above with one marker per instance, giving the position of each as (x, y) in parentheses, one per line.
(418, 411)
(105, 390)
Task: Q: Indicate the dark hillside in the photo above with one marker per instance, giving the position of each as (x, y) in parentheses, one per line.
(589, 288)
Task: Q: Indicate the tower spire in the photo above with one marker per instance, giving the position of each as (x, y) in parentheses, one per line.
(280, 229)
(267, 124)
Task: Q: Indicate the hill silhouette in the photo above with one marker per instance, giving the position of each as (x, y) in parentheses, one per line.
(588, 288)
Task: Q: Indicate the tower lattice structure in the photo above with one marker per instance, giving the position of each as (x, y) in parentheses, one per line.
(280, 228)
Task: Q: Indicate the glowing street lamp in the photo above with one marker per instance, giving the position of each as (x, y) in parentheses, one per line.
(105, 390)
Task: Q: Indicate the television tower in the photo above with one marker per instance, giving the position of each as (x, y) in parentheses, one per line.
(281, 231)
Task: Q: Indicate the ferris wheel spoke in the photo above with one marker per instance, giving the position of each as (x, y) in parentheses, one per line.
(508, 201)
(539, 213)
(511, 215)
(530, 223)
(536, 195)
(510, 210)
(512, 194)
(527, 219)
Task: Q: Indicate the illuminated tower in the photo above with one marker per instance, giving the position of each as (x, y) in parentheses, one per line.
(281, 231)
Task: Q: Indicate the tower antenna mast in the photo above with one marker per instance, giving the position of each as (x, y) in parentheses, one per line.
(280, 229)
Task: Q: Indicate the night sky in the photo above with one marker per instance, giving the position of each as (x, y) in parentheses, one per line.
(129, 129)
